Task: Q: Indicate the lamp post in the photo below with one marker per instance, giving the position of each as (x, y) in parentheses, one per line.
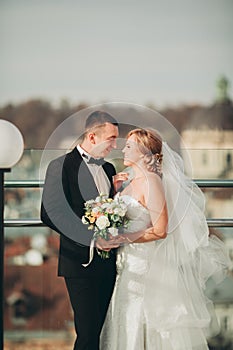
(11, 150)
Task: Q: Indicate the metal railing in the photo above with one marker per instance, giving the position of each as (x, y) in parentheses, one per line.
(37, 184)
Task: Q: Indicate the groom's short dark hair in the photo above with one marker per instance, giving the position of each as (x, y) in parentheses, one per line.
(99, 118)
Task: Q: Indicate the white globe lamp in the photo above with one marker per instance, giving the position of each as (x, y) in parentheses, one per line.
(11, 150)
(11, 144)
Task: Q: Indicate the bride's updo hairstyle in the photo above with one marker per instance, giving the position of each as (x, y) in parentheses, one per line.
(150, 145)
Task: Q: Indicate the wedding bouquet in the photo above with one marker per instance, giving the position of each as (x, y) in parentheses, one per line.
(105, 216)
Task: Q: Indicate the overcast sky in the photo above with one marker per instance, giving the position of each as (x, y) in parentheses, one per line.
(163, 52)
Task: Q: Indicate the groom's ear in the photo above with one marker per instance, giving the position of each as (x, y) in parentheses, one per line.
(91, 137)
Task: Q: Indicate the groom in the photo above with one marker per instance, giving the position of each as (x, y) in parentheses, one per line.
(70, 181)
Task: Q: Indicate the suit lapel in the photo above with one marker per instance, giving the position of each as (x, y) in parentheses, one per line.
(83, 179)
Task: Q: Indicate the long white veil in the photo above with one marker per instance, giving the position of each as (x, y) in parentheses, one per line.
(184, 260)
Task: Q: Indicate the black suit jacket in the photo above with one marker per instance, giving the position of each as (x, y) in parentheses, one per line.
(68, 185)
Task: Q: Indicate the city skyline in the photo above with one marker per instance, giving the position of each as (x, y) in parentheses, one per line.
(156, 52)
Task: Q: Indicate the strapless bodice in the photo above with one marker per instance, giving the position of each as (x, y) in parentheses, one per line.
(135, 254)
(139, 216)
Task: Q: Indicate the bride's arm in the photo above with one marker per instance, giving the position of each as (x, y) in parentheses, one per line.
(155, 202)
(153, 233)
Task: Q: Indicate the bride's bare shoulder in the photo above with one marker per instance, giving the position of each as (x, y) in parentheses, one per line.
(153, 178)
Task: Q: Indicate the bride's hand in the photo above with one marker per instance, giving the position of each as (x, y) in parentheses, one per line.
(102, 244)
(118, 180)
(120, 239)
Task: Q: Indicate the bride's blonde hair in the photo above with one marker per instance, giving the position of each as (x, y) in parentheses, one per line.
(150, 145)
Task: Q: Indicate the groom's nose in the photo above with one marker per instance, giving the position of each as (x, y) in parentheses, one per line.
(114, 143)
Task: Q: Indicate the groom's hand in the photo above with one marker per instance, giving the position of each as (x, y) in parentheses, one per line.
(102, 244)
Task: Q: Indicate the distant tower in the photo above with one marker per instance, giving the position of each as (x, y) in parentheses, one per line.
(222, 89)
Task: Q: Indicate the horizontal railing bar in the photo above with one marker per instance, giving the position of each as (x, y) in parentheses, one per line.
(23, 183)
(214, 183)
(37, 222)
(40, 183)
(23, 223)
(220, 222)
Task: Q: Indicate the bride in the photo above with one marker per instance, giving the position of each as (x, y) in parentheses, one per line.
(165, 257)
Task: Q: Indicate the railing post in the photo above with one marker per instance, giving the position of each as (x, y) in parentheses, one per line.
(1, 254)
(2, 171)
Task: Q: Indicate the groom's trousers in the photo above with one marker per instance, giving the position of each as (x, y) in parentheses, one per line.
(90, 297)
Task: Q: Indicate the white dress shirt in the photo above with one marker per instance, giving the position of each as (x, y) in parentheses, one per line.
(101, 180)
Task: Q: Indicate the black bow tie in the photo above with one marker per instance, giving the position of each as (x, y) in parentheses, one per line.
(91, 160)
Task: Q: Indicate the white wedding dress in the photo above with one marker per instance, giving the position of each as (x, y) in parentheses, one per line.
(157, 302)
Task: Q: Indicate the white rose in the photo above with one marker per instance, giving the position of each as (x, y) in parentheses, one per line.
(102, 222)
(95, 210)
(106, 206)
(90, 202)
(119, 211)
(98, 199)
(113, 231)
